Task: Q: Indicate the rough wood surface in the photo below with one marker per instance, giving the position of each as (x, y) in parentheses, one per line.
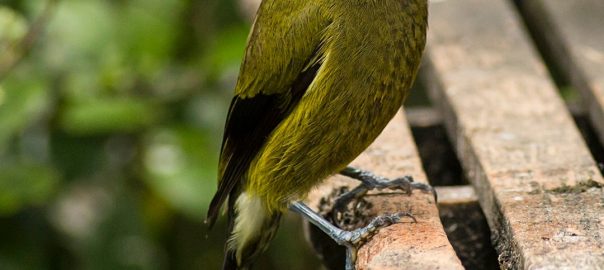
(405, 245)
(573, 33)
(536, 181)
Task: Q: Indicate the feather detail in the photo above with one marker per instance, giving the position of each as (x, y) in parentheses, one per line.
(249, 124)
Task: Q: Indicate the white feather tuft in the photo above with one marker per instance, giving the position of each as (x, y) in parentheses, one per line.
(251, 215)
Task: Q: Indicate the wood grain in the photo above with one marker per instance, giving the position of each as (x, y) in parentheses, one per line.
(538, 185)
(405, 245)
(572, 32)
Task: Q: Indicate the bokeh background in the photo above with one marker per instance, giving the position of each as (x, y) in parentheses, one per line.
(111, 116)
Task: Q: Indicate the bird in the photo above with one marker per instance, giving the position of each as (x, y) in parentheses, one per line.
(319, 81)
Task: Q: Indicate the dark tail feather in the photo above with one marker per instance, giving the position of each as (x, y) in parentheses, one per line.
(230, 260)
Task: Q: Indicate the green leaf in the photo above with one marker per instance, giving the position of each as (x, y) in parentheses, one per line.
(108, 115)
(23, 185)
(21, 102)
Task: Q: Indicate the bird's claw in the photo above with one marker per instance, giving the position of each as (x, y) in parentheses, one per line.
(370, 182)
(356, 238)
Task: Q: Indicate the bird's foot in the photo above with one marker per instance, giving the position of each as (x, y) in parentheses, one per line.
(352, 240)
(370, 181)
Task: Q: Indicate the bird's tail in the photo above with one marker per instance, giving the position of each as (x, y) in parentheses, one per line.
(251, 228)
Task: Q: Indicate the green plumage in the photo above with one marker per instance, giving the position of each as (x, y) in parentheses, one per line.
(319, 81)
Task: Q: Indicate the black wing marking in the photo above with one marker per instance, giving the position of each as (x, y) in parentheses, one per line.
(249, 124)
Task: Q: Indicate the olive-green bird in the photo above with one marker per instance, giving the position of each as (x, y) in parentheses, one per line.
(319, 81)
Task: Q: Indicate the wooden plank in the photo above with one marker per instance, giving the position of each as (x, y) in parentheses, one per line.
(421, 245)
(572, 33)
(466, 226)
(536, 181)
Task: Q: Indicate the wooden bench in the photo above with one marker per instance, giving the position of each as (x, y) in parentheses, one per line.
(533, 174)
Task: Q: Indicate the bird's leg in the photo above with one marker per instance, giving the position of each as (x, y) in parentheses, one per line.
(371, 181)
(350, 239)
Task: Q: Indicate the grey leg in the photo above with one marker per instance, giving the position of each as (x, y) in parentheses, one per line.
(350, 239)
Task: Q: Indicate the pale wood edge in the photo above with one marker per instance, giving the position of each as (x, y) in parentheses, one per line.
(452, 195)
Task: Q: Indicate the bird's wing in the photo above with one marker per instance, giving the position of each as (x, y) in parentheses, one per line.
(282, 58)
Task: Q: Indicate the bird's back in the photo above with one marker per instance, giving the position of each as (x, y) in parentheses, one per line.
(370, 55)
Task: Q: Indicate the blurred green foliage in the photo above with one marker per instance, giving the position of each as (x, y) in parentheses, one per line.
(110, 125)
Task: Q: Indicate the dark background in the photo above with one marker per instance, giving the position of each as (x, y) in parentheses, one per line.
(111, 116)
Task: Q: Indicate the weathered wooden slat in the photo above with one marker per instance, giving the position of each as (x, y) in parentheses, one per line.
(572, 32)
(405, 245)
(536, 181)
(466, 226)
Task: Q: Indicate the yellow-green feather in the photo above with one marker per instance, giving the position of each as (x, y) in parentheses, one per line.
(371, 53)
(283, 39)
